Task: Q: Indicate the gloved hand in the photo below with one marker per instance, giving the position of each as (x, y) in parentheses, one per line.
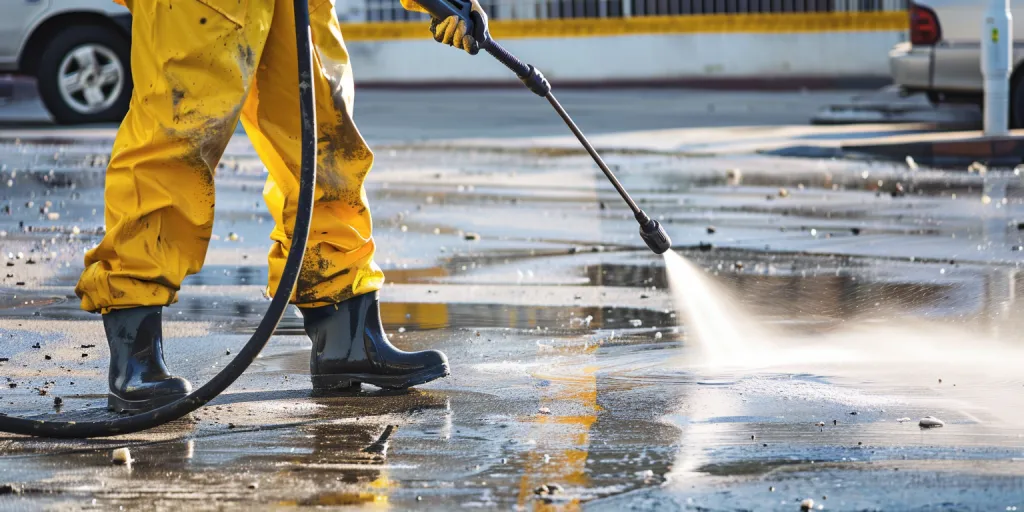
(452, 30)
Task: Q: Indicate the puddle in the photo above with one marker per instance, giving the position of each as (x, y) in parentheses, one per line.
(545, 394)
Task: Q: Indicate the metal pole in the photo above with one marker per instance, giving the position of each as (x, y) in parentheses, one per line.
(593, 153)
(996, 65)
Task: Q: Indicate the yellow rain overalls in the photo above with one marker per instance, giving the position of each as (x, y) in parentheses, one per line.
(199, 66)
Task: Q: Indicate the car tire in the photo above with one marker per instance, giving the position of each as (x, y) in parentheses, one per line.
(84, 75)
(1017, 101)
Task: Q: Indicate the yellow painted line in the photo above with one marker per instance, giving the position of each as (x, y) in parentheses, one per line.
(696, 24)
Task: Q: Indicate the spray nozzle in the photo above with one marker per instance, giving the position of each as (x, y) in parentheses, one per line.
(655, 236)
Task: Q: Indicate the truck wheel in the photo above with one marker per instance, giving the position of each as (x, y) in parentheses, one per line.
(84, 75)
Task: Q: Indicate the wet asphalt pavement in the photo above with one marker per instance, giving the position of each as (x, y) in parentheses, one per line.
(571, 367)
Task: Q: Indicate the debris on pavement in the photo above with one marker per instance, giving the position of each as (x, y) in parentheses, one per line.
(121, 456)
(548, 489)
(930, 422)
(6, 489)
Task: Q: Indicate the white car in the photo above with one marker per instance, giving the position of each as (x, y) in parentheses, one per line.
(78, 50)
(943, 57)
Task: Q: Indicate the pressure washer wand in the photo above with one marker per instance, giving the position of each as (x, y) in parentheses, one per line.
(650, 230)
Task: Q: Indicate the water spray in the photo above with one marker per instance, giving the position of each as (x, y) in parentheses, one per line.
(651, 231)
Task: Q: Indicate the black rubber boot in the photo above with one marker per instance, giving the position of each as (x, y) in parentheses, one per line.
(350, 347)
(138, 378)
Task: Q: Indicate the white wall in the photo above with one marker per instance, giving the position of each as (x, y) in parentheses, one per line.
(637, 57)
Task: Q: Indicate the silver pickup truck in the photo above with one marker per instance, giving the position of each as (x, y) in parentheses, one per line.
(943, 57)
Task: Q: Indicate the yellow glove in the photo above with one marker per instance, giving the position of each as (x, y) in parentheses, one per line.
(452, 30)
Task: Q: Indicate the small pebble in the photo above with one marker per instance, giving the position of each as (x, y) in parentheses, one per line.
(233, 236)
(121, 456)
(544, 410)
(254, 485)
(807, 504)
(930, 422)
(472, 236)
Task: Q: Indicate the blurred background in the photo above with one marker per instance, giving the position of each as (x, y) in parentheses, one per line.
(898, 59)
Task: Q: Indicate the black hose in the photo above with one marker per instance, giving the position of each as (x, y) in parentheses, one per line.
(259, 339)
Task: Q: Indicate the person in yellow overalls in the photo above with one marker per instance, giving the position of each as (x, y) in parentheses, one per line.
(200, 66)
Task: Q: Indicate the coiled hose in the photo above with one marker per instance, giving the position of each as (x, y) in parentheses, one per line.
(259, 339)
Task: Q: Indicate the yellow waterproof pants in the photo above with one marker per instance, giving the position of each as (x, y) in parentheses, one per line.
(199, 66)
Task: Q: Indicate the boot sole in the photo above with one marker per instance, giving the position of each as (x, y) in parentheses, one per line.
(121, 405)
(344, 381)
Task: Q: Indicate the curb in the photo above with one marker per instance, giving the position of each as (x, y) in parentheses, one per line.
(737, 83)
(1005, 151)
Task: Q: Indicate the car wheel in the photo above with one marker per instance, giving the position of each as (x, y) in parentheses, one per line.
(84, 75)
(1017, 102)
